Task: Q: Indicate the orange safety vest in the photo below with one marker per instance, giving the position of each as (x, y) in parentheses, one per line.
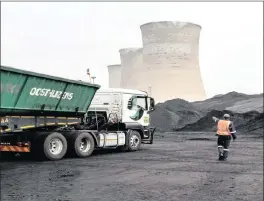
(223, 127)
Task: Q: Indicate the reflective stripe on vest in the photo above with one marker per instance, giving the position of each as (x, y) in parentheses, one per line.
(223, 127)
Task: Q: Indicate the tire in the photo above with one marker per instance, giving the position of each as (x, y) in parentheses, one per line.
(82, 145)
(54, 146)
(134, 141)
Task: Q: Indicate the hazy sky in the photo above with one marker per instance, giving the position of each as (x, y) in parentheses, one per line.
(66, 38)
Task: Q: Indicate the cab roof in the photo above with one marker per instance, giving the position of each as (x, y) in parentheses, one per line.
(121, 90)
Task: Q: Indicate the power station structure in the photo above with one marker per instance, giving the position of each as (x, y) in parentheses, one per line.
(131, 62)
(171, 60)
(168, 64)
(114, 72)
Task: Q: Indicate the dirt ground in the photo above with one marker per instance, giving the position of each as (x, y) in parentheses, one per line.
(176, 167)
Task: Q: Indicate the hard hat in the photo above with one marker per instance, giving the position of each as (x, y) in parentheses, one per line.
(226, 116)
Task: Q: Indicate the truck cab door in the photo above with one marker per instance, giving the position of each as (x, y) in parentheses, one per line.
(136, 109)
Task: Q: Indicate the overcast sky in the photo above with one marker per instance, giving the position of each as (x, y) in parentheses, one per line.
(66, 38)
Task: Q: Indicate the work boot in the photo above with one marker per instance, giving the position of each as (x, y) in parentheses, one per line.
(225, 155)
(220, 152)
(221, 157)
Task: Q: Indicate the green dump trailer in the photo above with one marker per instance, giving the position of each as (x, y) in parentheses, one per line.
(24, 92)
(49, 117)
(35, 107)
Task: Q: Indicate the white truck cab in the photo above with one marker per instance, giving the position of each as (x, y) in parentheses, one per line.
(129, 107)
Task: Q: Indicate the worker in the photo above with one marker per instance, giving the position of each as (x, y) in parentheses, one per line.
(225, 131)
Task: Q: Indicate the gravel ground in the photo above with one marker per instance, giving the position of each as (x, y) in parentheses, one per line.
(176, 167)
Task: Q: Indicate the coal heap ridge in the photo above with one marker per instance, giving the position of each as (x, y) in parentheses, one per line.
(173, 114)
(179, 115)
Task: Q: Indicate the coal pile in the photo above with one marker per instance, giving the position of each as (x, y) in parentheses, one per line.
(244, 122)
(232, 101)
(179, 115)
(254, 125)
(253, 104)
(173, 114)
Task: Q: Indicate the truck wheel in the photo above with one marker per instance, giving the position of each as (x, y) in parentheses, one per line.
(134, 141)
(55, 146)
(83, 145)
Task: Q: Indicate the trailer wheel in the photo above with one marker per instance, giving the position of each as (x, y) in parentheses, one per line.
(134, 141)
(55, 146)
(83, 145)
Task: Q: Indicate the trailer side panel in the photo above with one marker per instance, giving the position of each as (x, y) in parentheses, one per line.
(29, 92)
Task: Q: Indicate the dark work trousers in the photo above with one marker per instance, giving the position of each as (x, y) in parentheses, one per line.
(223, 143)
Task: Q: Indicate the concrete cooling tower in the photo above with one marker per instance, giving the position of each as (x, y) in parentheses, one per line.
(131, 62)
(114, 72)
(171, 60)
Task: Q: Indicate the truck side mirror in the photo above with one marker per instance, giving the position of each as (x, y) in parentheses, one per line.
(151, 104)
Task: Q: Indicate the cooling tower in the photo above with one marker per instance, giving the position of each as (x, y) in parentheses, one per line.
(131, 62)
(171, 60)
(114, 72)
